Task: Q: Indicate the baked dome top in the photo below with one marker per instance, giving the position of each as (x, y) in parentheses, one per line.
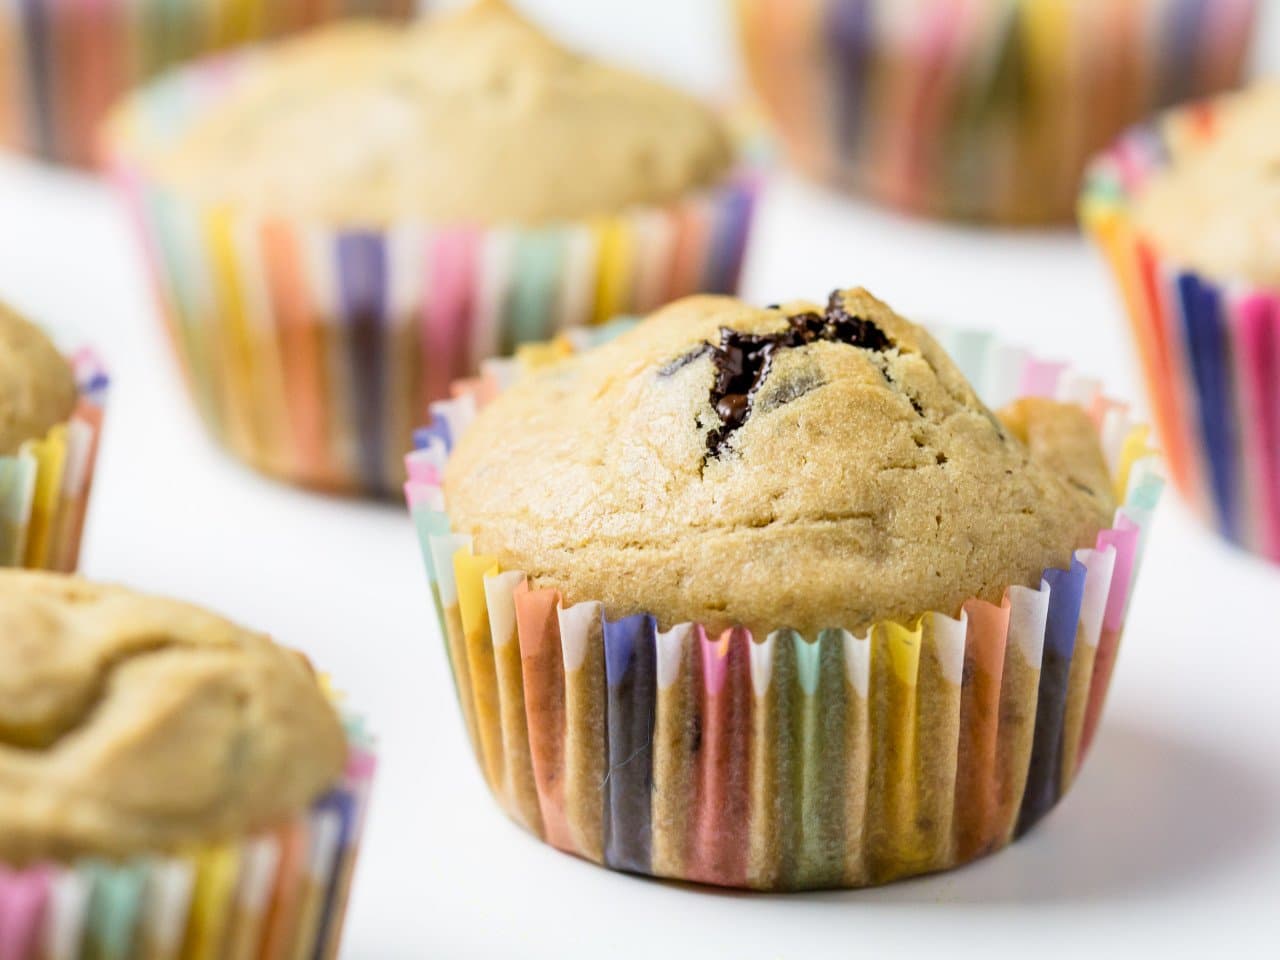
(132, 723)
(37, 385)
(799, 466)
(1216, 206)
(470, 117)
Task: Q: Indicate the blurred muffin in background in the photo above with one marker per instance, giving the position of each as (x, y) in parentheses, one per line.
(147, 747)
(1187, 211)
(344, 224)
(978, 109)
(50, 418)
(63, 65)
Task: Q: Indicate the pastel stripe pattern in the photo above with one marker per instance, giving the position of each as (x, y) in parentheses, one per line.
(280, 895)
(978, 109)
(1209, 346)
(786, 762)
(64, 63)
(311, 352)
(45, 486)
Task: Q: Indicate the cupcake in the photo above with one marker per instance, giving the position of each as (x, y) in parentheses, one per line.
(769, 598)
(469, 184)
(978, 109)
(63, 64)
(170, 784)
(50, 418)
(1186, 211)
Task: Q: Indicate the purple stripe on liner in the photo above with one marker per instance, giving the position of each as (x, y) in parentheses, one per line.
(1200, 306)
(438, 430)
(1181, 42)
(40, 64)
(362, 282)
(630, 657)
(852, 34)
(728, 248)
(343, 803)
(1066, 593)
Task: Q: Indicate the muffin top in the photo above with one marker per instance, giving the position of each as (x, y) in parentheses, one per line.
(131, 723)
(796, 466)
(37, 385)
(1216, 206)
(474, 117)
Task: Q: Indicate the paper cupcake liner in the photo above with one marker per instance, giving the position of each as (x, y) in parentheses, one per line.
(978, 109)
(63, 63)
(311, 352)
(278, 895)
(787, 762)
(45, 486)
(1209, 346)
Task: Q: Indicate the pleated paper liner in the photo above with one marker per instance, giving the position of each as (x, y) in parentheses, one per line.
(311, 352)
(978, 109)
(786, 762)
(64, 63)
(45, 486)
(1209, 346)
(280, 895)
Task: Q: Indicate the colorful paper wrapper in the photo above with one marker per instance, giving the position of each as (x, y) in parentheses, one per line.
(1209, 346)
(978, 109)
(63, 63)
(45, 486)
(311, 352)
(278, 895)
(783, 761)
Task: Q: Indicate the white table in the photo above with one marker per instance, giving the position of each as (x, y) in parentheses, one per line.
(1170, 840)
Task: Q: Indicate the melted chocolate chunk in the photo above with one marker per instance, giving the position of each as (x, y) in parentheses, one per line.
(742, 360)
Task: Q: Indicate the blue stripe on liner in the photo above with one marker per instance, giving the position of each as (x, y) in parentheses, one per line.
(1206, 336)
(439, 429)
(729, 245)
(535, 287)
(342, 802)
(630, 658)
(851, 33)
(362, 289)
(1044, 775)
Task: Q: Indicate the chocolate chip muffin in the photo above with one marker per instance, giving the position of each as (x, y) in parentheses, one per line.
(475, 117)
(800, 466)
(37, 385)
(132, 724)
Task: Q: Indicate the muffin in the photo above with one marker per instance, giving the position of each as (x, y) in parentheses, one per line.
(50, 418)
(769, 598)
(62, 65)
(166, 762)
(1185, 210)
(985, 110)
(470, 185)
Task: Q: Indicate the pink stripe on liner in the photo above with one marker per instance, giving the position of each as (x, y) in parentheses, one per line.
(1040, 378)
(451, 266)
(23, 896)
(1257, 337)
(1124, 538)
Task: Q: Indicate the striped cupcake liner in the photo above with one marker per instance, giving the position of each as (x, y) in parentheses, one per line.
(1209, 346)
(63, 63)
(978, 109)
(311, 352)
(45, 486)
(787, 762)
(280, 895)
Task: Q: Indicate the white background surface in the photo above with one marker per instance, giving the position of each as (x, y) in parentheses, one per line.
(1170, 840)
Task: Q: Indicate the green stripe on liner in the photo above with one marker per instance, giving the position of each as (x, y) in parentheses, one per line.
(115, 903)
(539, 266)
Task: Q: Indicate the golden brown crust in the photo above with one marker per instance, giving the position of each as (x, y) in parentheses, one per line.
(1216, 207)
(865, 483)
(37, 385)
(132, 724)
(474, 116)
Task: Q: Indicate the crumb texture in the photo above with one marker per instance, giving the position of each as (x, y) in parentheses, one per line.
(37, 385)
(1216, 207)
(475, 116)
(132, 724)
(801, 466)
